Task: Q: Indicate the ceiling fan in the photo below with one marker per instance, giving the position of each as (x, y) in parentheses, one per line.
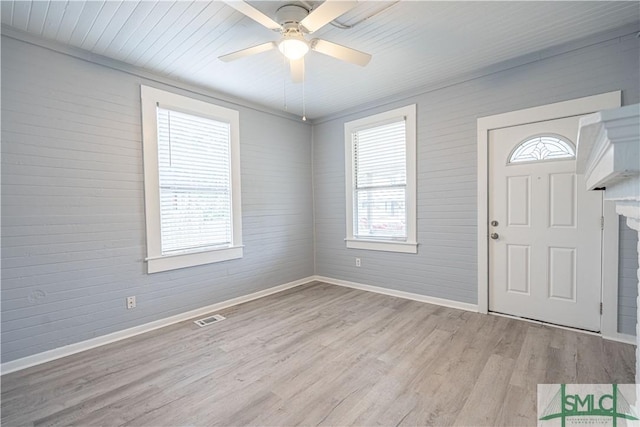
(294, 22)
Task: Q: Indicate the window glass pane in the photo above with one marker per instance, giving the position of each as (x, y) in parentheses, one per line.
(195, 181)
(379, 164)
(380, 213)
(545, 147)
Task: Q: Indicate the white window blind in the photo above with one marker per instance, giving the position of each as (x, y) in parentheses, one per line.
(380, 181)
(191, 154)
(194, 168)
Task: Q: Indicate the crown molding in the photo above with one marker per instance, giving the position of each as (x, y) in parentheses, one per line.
(114, 64)
(626, 31)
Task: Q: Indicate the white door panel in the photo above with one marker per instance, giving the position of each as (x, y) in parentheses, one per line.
(546, 261)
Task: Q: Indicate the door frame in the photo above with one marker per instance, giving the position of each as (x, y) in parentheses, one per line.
(574, 107)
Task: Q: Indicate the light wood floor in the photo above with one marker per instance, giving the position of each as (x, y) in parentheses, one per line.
(317, 355)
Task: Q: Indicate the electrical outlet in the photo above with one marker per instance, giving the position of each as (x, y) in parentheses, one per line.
(131, 302)
(358, 262)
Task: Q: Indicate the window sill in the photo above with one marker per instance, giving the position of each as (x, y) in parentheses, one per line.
(174, 262)
(382, 245)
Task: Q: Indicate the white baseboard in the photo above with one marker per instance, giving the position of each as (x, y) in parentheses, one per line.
(620, 337)
(68, 350)
(400, 294)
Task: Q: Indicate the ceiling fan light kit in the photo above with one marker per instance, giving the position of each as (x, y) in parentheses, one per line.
(293, 46)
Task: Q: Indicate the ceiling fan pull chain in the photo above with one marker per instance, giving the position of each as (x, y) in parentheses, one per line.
(284, 83)
(304, 104)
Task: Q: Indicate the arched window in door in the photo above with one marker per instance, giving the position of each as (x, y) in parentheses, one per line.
(542, 148)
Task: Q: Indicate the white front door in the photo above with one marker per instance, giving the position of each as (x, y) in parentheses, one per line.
(545, 246)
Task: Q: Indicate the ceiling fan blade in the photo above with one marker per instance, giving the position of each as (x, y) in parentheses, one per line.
(325, 13)
(254, 14)
(248, 51)
(297, 70)
(340, 52)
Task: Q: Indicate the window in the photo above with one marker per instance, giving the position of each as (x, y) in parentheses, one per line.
(192, 181)
(543, 147)
(380, 163)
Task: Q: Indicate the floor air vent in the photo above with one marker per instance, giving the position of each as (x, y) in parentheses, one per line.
(209, 320)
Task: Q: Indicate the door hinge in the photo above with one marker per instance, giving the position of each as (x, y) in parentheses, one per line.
(600, 308)
(601, 223)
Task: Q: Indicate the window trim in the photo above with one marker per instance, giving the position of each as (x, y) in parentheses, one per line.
(410, 245)
(156, 262)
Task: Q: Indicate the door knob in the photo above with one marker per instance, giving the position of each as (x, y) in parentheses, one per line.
(494, 236)
(494, 223)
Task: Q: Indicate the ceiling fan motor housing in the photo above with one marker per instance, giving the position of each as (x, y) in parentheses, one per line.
(289, 16)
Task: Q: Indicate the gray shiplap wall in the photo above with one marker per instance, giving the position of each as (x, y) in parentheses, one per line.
(446, 265)
(72, 206)
(73, 239)
(628, 284)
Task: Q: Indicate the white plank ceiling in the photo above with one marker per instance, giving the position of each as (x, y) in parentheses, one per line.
(414, 44)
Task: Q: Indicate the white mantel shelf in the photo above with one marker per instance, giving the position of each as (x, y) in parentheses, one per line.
(608, 154)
